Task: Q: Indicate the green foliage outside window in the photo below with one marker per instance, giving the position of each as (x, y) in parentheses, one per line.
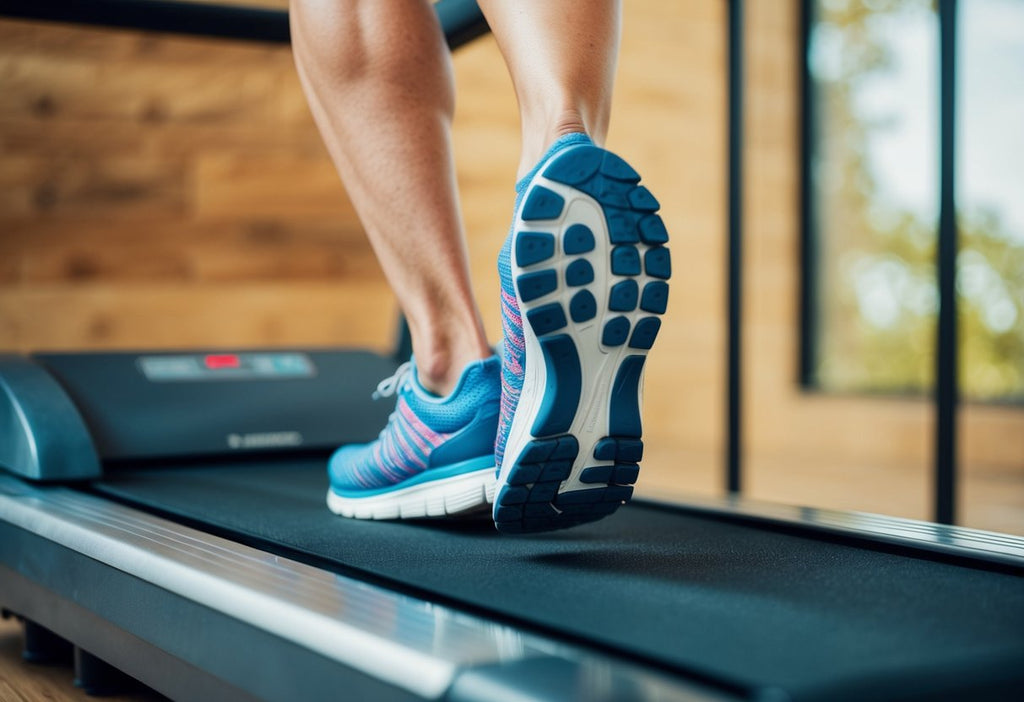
(874, 169)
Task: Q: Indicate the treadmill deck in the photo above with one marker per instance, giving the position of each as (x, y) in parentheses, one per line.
(744, 607)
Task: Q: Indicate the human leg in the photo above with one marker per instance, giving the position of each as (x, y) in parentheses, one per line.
(378, 78)
(583, 277)
(561, 55)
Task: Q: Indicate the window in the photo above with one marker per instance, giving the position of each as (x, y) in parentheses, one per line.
(990, 207)
(871, 207)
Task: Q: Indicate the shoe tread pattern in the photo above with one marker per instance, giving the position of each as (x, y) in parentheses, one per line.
(535, 495)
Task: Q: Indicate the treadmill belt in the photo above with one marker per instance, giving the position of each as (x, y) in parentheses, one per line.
(748, 608)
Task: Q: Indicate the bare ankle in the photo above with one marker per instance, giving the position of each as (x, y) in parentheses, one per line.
(536, 141)
(434, 371)
(439, 369)
(569, 122)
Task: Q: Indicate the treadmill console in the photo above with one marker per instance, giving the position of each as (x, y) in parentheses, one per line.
(140, 408)
(184, 367)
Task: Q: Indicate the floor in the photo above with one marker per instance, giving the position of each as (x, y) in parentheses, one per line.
(26, 682)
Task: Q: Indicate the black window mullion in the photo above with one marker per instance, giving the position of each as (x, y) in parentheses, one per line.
(946, 380)
(734, 435)
(808, 311)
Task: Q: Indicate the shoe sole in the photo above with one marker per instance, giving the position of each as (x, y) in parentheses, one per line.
(458, 494)
(590, 269)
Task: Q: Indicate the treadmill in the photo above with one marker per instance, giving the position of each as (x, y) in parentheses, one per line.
(162, 515)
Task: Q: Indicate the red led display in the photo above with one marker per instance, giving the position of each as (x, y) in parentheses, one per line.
(222, 360)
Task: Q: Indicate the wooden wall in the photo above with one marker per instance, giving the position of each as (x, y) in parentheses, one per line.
(161, 192)
(166, 192)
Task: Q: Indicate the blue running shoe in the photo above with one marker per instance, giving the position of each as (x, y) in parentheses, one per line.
(583, 275)
(435, 457)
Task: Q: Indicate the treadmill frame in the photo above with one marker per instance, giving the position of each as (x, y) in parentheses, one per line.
(109, 578)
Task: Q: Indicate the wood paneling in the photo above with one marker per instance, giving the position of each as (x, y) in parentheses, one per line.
(171, 192)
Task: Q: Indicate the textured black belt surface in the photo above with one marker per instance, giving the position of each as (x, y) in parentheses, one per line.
(744, 606)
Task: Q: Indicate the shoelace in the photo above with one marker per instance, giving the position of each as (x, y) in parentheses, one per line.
(389, 386)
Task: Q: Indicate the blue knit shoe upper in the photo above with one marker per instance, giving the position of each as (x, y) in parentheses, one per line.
(583, 277)
(434, 457)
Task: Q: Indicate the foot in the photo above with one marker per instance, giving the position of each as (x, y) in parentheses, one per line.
(585, 267)
(434, 458)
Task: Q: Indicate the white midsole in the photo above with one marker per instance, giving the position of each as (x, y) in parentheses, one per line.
(438, 498)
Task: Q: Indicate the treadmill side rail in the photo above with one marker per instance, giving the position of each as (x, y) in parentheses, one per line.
(42, 435)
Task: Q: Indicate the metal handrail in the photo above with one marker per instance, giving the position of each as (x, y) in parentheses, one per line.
(461, 20)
